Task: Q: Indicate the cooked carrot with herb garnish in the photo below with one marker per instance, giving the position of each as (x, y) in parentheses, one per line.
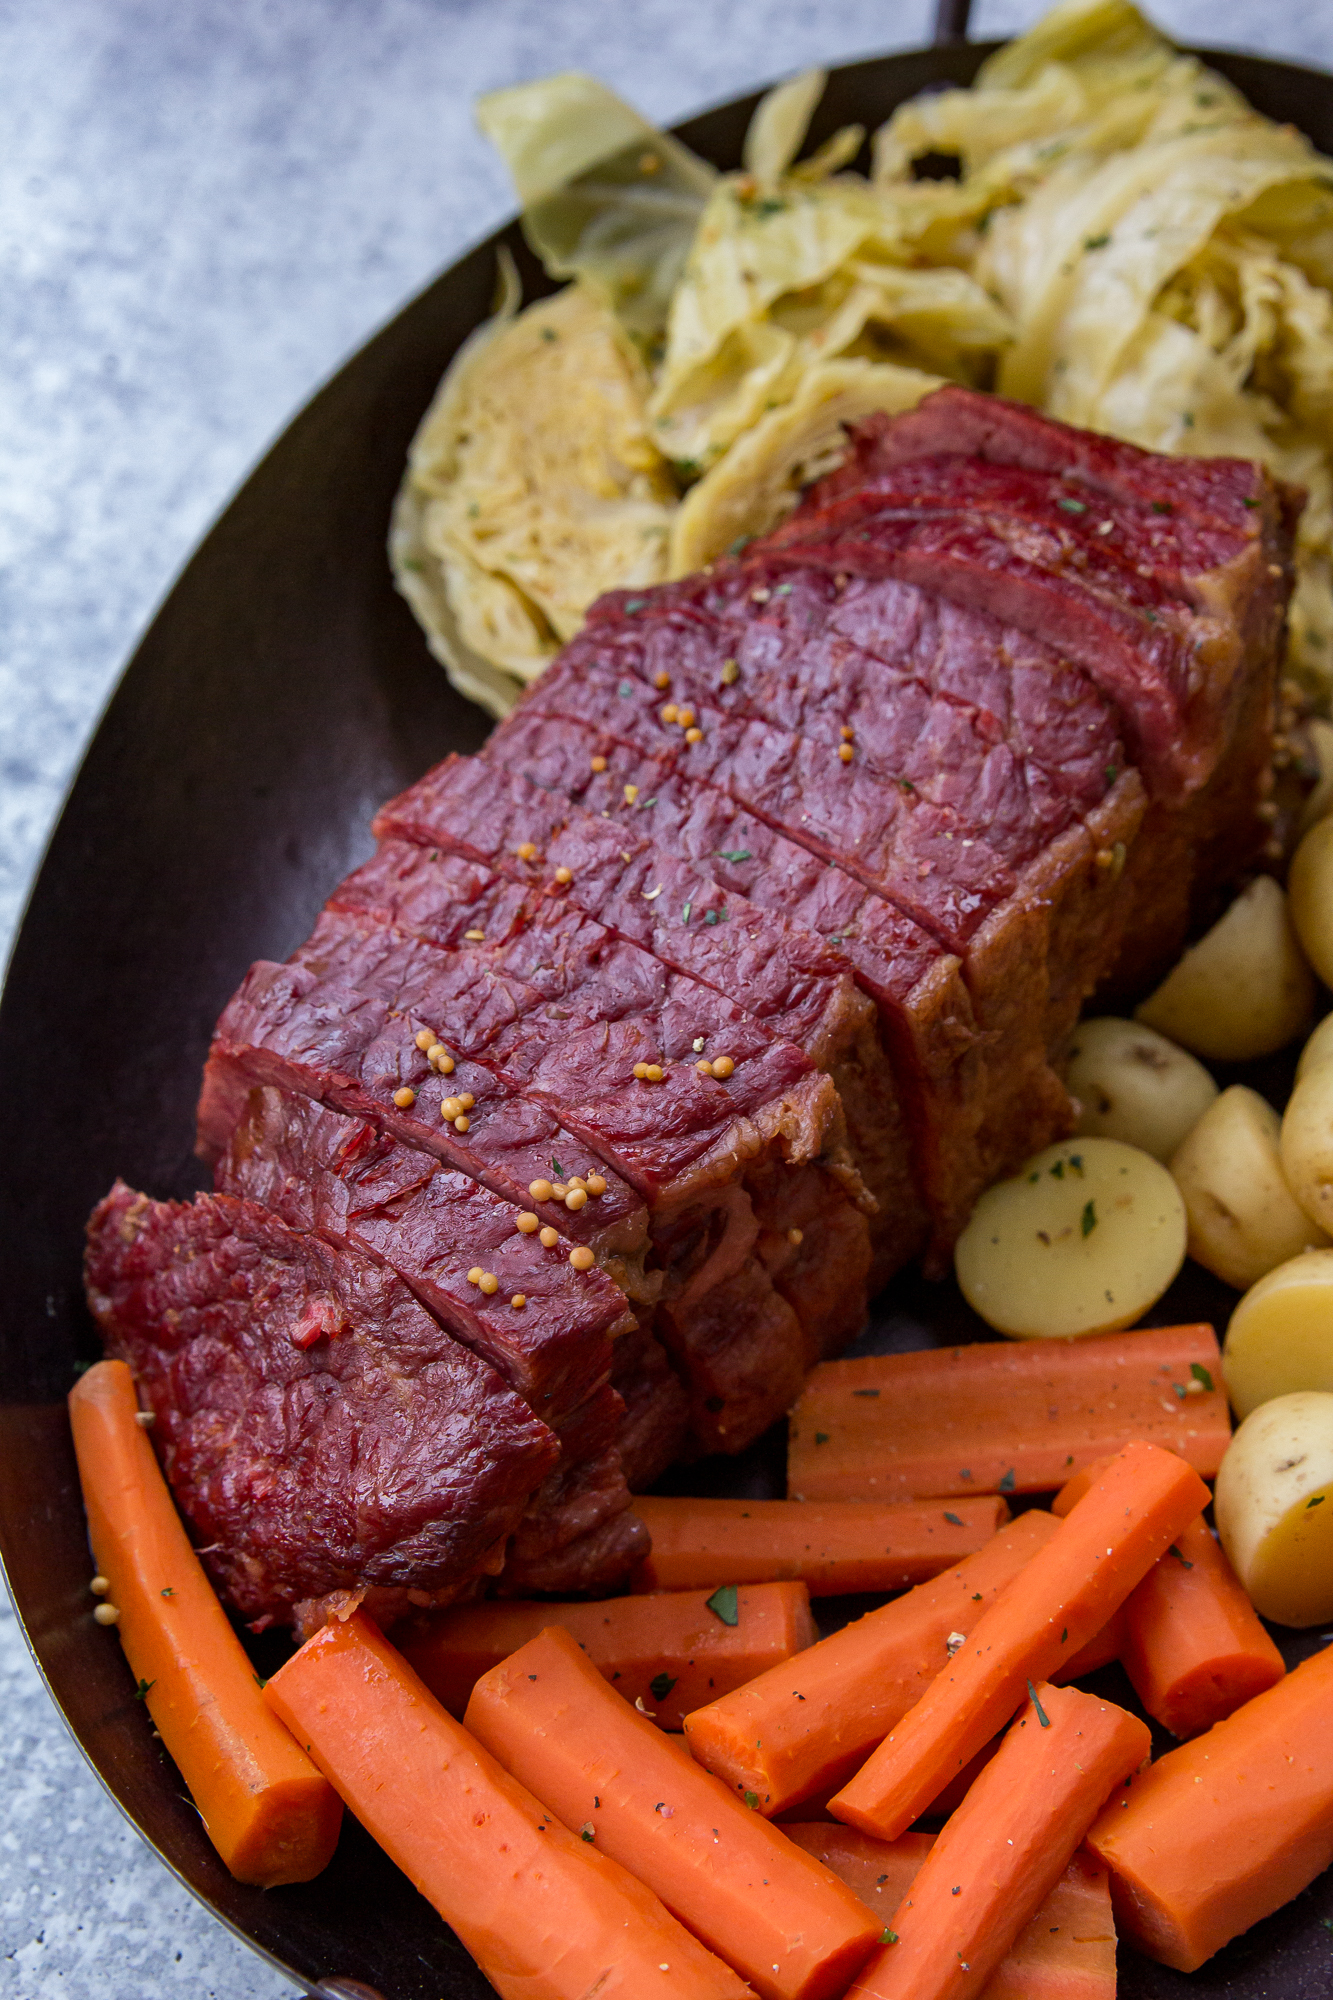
(1063, 1597)
(831, 1546)
(265, 1807)
(1003, 1416)
(1194, 1647)
(1005, 1848)
(796, 1731)
(1224, 1830)
(544, 1913)
(667, 1653)
(789, 1926)
(1192, 1643)
(1066, 1951)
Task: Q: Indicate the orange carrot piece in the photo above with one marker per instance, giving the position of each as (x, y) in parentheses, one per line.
(1194, 1647)
(831, 1546)
(1193, 1644)
(543, 1913)
(1224, 1830)
(1066, 1951)
(797, 1731)
(786, 1924)
(1002, 1415)
(1005, 1848)
(666, 1654)
(1053, 1607)
(265, 1807)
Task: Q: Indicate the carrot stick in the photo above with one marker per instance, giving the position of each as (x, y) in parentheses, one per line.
(1192, 1642)
(1066, 1951)
(543, 1913)
(1101, 1649)
(831, 1546)
(1003, 1416)
(1065, 1595)
(265, 1807)
(785, 1923)
(1005, 1848)
(1224, 1830)
(1194, 1647)
(666, 1654)
(797, 1731)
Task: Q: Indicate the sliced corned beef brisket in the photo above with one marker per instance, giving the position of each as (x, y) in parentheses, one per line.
(860, 815)
(322, 1433)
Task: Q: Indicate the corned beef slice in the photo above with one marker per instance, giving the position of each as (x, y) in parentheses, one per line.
(318, 1169)
(549, 1006)
(1165, 579)
(322, 1432)
(792, 981)
(971, 840)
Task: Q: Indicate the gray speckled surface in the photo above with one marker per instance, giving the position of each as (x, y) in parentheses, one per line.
(202, 210)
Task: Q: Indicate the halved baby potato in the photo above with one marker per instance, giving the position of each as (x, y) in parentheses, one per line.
(1274, 1508)
(1244, 1220)
(1244, 989)
(1082, 1240)
(1310, 891)
(1280, 1338)
(1133, 1084)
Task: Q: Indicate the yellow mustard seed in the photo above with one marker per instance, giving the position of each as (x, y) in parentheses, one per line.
(527, 1224)
(685, 717)
(641, 1071)
(661, 679)
(450, 1107)
(466, 1099)
(796, 1236)
(518, 1301)
(549, 1237)
(694, 736)
(705, 1068)
(405, 1098)
(425, 1039)
(445, 1065)
(576, 1198)
(462, 1123)
(540, 1190)
(596, 1184)
(723, 1066)
(846, 752)
(475, 1275)
(107, 1614)
(488, 1283)
(599, 764)
(653, 1072)
(100, 1585)
(669, 712)
(564, 876)
(582, 1258)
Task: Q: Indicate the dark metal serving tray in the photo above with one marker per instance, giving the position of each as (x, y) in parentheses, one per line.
(283, 692)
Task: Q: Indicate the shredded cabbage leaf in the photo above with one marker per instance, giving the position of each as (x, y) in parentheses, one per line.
(1126, 244)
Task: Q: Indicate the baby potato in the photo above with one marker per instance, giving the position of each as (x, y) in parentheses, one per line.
(1274, 1508)
(1132, 1084)
(1280, 1338)
(1307, 1143)
(1244, 989)
(1243, 1218)
(1318, 1049)
(1084, 1239)
(1310, 894)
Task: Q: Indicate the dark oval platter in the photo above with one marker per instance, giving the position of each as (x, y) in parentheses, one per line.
(283, 692)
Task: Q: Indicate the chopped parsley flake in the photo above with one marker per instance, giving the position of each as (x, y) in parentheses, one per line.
(1088, 1219)
(1201, 1374)
(954, 1520)
(144, 1688)
(1073, 506)
(1315, 1500)
(1042, 1717)
(661, 1685)
(1097, 242)
(734, 854)
(1007, 1483)
(1184, 1561)
(722, 1604)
